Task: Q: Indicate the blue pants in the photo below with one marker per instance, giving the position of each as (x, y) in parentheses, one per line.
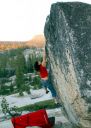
(47, 84)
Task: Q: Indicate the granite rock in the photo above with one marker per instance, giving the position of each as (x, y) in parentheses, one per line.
(68, 45)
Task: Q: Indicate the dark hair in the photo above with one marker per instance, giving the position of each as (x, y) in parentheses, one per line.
(37, 66)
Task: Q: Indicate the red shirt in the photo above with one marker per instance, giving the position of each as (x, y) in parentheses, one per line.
(43, 71)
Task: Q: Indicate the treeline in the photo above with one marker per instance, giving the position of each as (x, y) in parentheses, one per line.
(13, 60)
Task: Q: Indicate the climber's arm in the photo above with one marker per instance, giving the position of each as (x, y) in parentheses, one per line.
(44, 58)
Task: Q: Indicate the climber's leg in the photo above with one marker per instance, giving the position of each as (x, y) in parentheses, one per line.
(47, 84)
(44, 86)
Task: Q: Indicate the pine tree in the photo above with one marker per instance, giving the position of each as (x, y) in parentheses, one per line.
(20, 64)
(30, 64)
(23, 63)
(36, 83)
(20, 81)
(11, 88)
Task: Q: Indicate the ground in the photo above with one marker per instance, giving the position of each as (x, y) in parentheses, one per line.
(37, 95)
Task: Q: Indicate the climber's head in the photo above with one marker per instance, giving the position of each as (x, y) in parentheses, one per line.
(37, 66)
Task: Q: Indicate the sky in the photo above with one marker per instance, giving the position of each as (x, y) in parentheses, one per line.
(20, 20)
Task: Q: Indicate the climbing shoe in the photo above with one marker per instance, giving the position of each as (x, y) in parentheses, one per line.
(58, 105)
(47, 92)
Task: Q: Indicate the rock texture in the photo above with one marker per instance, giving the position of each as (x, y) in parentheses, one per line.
(68, 45)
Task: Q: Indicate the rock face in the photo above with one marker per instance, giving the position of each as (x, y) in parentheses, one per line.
(68, 45)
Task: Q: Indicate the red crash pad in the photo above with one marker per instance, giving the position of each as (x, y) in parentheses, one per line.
(38, 118)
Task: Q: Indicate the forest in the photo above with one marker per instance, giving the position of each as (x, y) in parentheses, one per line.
(17, 72)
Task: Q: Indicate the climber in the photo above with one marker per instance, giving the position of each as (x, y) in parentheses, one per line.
(40, 67)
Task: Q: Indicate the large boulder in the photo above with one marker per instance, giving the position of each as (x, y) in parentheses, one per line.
(68, 46)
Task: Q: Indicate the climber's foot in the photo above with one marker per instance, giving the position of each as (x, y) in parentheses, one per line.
(58, 105)
(47, 91)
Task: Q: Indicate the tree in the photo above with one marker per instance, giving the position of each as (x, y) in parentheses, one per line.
(3, 90)
(30, 64)
(23, 63)
(11, 87)
(27, 89)
(3, 63)
(20, 74)
(36, 83)
(4, 106)
(20, 81)
(6, 109)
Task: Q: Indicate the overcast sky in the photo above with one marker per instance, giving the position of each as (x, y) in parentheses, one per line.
(23, 19)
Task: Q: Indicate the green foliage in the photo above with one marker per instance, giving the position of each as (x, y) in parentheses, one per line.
(6, 109)
(15, 111)
(3, 72)
(4, 106)
(20, 64)
(49, 104)
(36, 82)
(3, 61)
(30, 64)
(27, 89)
(11, 88)
(4, 80)
(20, 81)
(30, 79)
(13, 62)
(4, 90)
(8, 61)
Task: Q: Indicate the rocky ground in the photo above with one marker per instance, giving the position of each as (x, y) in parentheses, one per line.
(37, 95)
(60, 120)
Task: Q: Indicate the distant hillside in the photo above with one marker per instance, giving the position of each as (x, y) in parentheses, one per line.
(36, 41)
